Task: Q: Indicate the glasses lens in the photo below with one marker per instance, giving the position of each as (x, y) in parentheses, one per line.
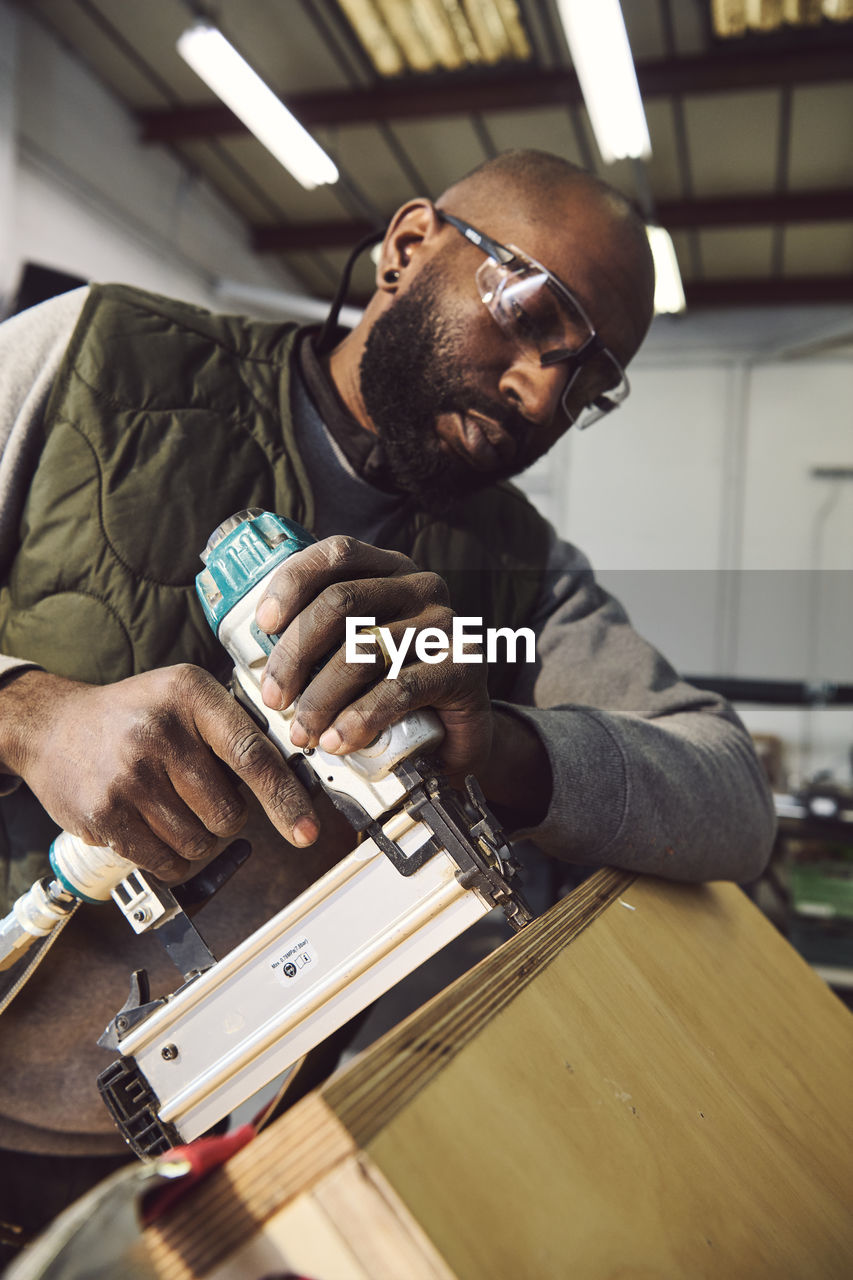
(523, 300)
(538, 313)
(597, 388)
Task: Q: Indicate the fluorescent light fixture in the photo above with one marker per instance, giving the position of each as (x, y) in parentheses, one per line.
(669, 291)
(231, 78)
(598, 43)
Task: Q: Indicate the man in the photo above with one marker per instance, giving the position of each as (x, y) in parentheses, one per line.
(144, 423)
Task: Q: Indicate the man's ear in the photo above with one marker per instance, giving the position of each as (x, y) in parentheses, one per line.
(410, 228)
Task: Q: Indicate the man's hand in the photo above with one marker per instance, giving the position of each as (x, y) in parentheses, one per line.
(342, 706)
(140, 765)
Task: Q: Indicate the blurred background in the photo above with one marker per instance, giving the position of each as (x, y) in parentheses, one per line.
(718, 503)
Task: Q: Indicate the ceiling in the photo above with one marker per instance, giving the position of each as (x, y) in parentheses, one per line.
(752, 138)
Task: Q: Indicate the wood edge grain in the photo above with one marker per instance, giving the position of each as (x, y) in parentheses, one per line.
(384, 1078)
(229, 1206)
(384, 1236)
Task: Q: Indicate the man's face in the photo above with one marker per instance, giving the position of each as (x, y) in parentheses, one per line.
(454, 405)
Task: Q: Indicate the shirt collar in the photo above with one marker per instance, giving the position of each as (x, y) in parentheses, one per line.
(362, 450)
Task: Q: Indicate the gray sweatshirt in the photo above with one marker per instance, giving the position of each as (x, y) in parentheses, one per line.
(649, 773)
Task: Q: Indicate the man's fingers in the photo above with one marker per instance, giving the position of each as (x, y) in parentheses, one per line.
(338, 684)
(132, 837)
(208, 792)
(247, 750)
(404, 605)
(304, 575)
(463, 707)
(307, 641)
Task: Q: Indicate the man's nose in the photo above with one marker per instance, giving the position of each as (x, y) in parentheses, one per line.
(536, 392)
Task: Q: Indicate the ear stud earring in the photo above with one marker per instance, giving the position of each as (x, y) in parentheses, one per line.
(391, 276)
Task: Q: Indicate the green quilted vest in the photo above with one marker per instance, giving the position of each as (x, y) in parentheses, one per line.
(165, 420)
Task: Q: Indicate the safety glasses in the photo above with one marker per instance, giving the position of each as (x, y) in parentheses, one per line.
(544, 319)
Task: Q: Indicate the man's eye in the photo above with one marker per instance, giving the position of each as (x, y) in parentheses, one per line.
(520, 318)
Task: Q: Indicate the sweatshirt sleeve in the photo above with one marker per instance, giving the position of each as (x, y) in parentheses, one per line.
(32, 345)
(649, 773)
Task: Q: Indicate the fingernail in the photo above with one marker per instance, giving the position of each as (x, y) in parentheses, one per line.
(331, 741)
(271, 693)
(267, 616)
(298, 734)
(305, 831)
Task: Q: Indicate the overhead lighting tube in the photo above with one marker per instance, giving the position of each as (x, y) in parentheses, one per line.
(601, 54)
(231, 78)
(669, 291)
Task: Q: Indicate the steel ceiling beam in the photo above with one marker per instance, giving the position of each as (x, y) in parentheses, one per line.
(703, 73)
(757, 210)
(677, 215)
(769, 291)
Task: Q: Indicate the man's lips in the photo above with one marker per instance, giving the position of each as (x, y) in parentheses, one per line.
(481, 441)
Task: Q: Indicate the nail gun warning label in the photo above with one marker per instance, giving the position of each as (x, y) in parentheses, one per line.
(296, 959)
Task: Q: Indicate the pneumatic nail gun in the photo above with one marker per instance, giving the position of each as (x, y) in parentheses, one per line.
(431, 862)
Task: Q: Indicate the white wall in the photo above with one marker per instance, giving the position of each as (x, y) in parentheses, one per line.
(697, 506)
(80, 194)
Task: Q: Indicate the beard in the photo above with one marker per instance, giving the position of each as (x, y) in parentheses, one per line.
(411, 374)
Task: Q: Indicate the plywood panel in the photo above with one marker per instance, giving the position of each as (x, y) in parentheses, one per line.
(350, 1226)
(671, 1097)
(227, 1209)
(648, 1081)
(311, 1143)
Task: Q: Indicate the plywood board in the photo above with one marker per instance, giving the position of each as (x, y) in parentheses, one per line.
(671, 1097)
(647, 1081)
